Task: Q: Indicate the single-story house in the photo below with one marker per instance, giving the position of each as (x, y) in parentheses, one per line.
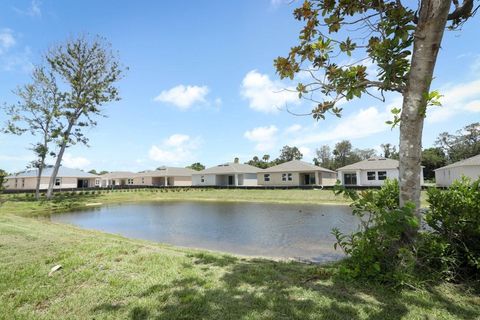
(470, 167)
(370, 172)
(118, 178)
(297, 173)
(228, 174)
(67, 178)
(164, 176)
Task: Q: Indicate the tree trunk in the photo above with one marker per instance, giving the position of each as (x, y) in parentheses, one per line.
(58, 162)
(39, 177)
(431, 24)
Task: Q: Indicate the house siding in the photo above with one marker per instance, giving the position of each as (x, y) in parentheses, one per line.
(445, 177)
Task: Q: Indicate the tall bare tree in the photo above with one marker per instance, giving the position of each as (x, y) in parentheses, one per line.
(89, 71)
(401, 40)
(36, 113)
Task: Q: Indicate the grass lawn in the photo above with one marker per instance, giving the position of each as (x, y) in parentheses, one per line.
(108, 276)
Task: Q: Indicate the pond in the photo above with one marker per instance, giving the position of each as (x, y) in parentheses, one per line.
(253, 229)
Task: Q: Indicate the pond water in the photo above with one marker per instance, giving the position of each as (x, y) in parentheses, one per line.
(253, 229)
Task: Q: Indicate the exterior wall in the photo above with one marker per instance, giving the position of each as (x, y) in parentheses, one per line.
(362, 176)
(31, 183)
(250, 179)
(321, 178)
(276, 179)
(209, 180)
(445, 177)
(182, 181)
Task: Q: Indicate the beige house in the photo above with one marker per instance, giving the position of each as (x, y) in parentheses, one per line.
(67, 178)
(470, 168)
(164, 176)
(296, 173)
(228, 174)
(370, 172)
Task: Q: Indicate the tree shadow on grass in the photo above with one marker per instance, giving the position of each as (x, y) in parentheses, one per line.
(278, 290)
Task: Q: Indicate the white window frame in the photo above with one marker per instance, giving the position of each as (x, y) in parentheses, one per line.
(97, 182)
(284, 177)
(289, 176)
(266, 177)
(58, 182)
(130, 181)
(202, 179)
(143, 180)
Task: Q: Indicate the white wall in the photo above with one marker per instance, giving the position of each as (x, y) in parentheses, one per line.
(445, 177)
(209, 180)
(250, 179)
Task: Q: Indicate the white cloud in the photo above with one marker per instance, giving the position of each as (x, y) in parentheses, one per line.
(265, 95)
(17, 61)
(183, 97)
(293, 128)
(306, 152)
(176, 149)
(33, 10)
(75, 162)
(7, 40)
(264, 137)
(459, 98)
(364, 123)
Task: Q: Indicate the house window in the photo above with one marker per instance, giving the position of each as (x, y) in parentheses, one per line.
(143, 180)
(284, 177)
(290, 177)
(350, 179)
(58, 181)
(23, 183)
(202, 179)
(97, 182)
(371, 175)
(382, 175)
(129, 181)
(266, 177)
(16, 183)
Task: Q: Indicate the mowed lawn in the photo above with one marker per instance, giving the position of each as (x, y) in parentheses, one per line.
(108, 276)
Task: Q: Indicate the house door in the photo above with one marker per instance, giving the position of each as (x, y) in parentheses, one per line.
(230, 180)
(81, 183)
(350, 179)
(306, 179)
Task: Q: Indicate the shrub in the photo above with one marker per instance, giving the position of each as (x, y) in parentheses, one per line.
(377, 251)
(454, 241)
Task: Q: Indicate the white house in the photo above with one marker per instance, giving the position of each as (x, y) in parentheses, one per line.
(67, 178)
(163, 176)
(228, 174)
(470, 167)
(371, 172)
(297, 173)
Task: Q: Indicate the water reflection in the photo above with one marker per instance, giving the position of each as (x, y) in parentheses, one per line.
(259, 229)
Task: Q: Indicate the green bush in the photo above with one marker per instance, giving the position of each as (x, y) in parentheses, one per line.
(378, 251)
(454, 239)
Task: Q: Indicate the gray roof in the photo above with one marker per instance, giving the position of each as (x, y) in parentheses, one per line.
(296, 166)
(47, 172)
(169, 172)
(473, 161)
(372, 164)
(119, 175)
(230, 168)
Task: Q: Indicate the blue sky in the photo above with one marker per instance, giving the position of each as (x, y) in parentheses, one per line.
(201, 84)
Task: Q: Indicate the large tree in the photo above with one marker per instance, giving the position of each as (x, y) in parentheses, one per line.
(324, 157)
(88, 71)
(463, 144)
(432, 158)
(401, 40)
(197, 166)
(36, 112)
(288, 154)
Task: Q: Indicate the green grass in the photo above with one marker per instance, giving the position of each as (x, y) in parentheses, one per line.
(108, 276)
